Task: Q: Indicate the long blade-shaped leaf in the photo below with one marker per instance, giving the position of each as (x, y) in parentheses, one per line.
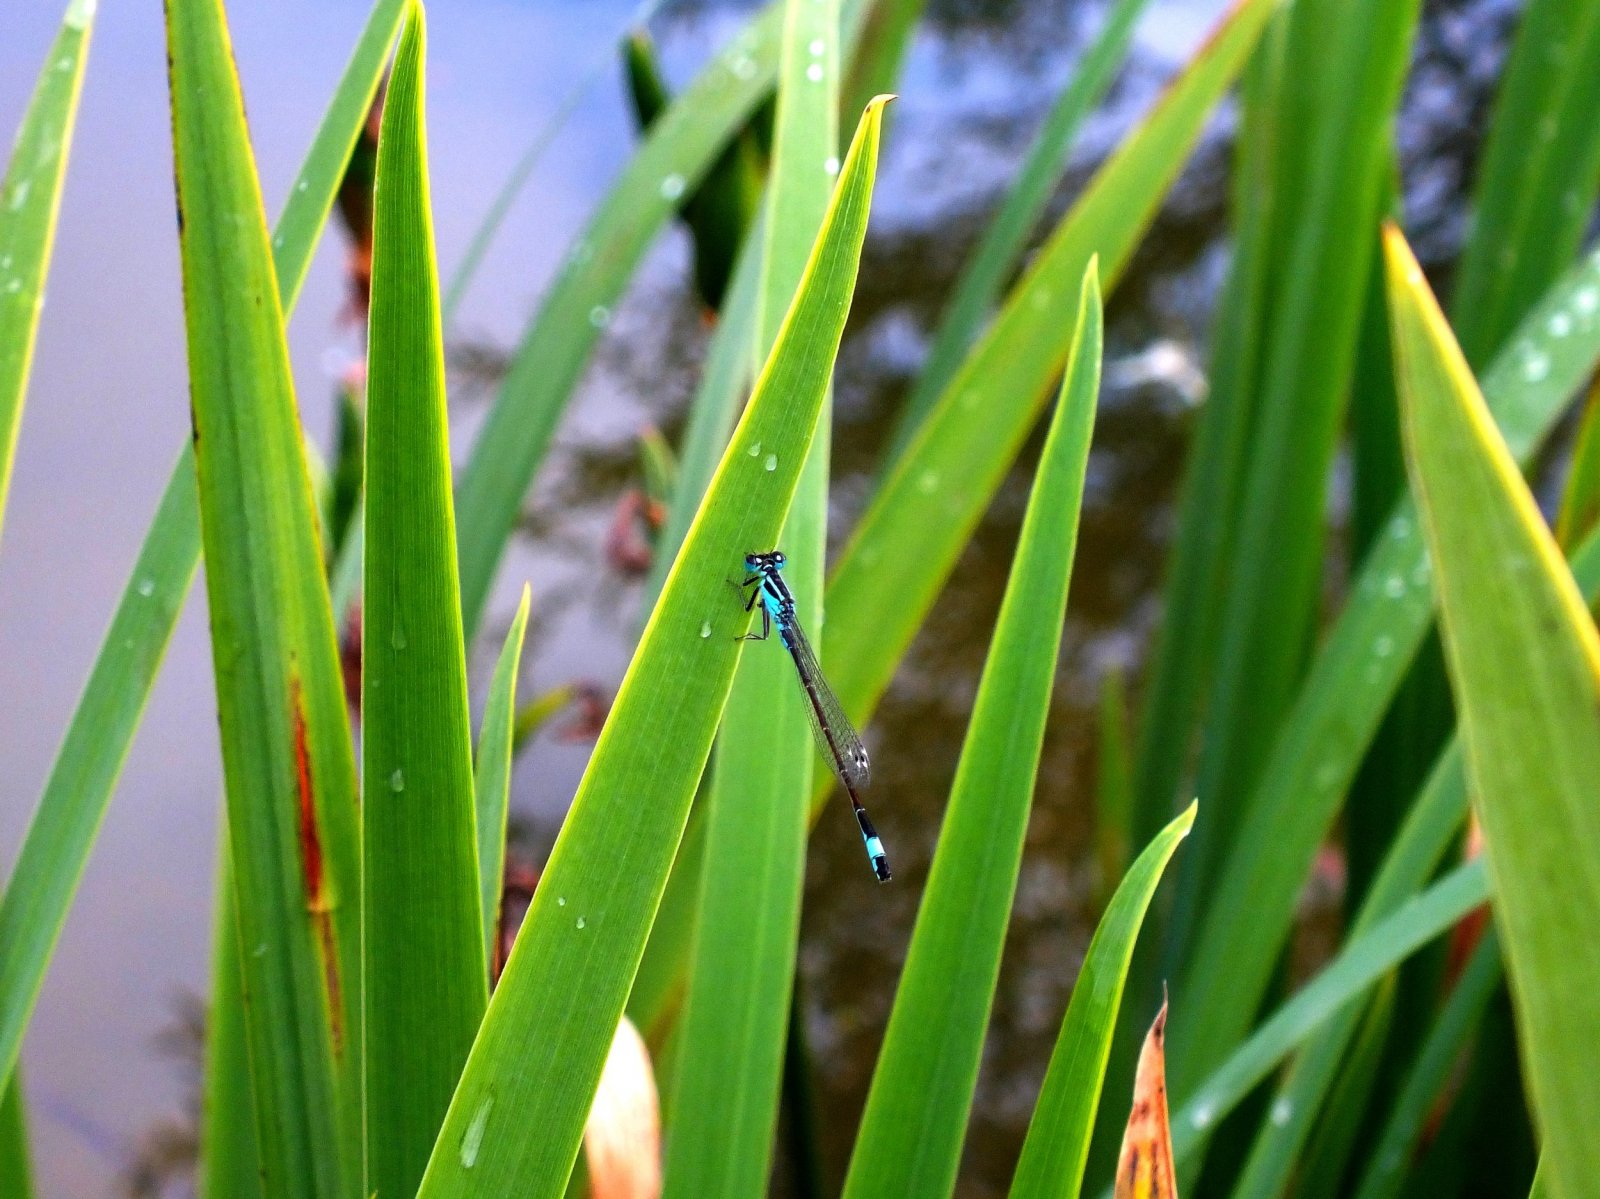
(52, 857)
(916, 1115)
(983, 278)
(681, 147)
(1541, 165)
(420, 881)
(1436, 1059)
(1356, 968)
(907, 541)
(287, 757)
(1324, 735)
(492, 776)
(16, 1175)
(230, 1159)
(1332, 188)
(730, 1044)
(1525, 664)
(515, 1122)
(30, 197)
(1057, 1146)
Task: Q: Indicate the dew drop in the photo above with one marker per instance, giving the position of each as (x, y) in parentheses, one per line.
(672, 187)
(561, 901)
(744, 67)
(582, 923)
(397, 781)
(1560, 324)
(1535, 364)
(398, 637)
(814, 72)
(1587, 300)
(472, 1139)
(1383, 646)
(928, 482)
(755, 450)
(1394, 586)
(1282, 1109)
(301, 186)
(19, 195)
(705, 630)
(772, 462)
(831, 164)
(818, 47)
(1203, 1116)
(599, 316)
(147, 587)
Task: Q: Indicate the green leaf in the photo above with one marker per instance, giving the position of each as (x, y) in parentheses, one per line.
(982, 281)
(492, 777)
(1322, 737)
(916, 1115)
(421, 903)
(1580, 501)
(682, 146)
(85, 769)
(1540, 168)
(1436, 1061)
(907, 541)
(1525, 664)
(287, 758)
(230, 1158)
(1413, 855)
(517, 1117)
(728, 366)
(16, 1176)
(730, 1040)
(1057, 1146)
(30, 197)
(1352, 59)
(1352, 972)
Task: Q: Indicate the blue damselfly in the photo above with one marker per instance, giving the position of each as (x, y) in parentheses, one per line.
(836, 736)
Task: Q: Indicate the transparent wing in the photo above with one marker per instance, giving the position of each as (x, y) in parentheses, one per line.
(836, 736)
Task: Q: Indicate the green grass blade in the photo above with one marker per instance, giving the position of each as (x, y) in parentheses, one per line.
(715, 407)
(1113, 785)
(1436, 1060)
(907, 541)
(1324, 734)
(1525, 664)
(982, 280)
(1194, 597)
(916, 1115)
(1360, 964)
(1580, 501)
(85, 769)
(30, 197)
(681, 147)
(287, 758)
(1057, 1145)
(730, 1040)
(421, 907)
(16, 1175)
(1356, 57)
(517, 1116)
(1541, 166)
(1413, 854)
(230, 1158)
(492, 776)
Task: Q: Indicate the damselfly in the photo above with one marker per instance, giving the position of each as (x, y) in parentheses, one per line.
(835, 735)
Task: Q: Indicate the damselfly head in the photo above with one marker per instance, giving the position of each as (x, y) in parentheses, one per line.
(772, 560)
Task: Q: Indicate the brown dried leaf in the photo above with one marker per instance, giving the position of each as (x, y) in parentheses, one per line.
(1144, 1171)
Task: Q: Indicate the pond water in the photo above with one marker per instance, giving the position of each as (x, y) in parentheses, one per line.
(106, 415)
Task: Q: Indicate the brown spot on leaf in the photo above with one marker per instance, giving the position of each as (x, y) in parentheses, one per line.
(317, 903)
